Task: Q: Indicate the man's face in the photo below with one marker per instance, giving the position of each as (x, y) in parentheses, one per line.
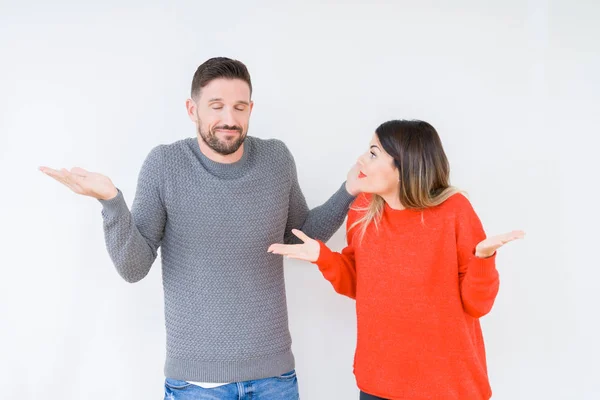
(222, 114)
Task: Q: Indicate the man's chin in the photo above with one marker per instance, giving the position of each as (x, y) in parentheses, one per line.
(227, 148)
(228, 133)
(224, 143)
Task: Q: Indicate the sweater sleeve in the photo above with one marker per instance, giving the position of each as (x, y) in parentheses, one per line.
(320, 222)
(133, 237)
(478, 278)
(340, 268)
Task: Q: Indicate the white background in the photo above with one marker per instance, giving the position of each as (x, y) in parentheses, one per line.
(511, 86)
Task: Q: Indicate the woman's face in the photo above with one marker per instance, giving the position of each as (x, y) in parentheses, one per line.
(378, 173)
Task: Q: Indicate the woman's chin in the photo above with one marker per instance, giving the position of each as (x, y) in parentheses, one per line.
(366, 189)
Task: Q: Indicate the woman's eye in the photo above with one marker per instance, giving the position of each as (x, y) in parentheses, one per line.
(373, 155)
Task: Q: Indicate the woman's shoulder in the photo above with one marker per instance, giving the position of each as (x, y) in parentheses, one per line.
(458, 199)
(457, 204)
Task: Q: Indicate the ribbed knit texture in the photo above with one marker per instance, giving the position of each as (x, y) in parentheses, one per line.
(420, 292)
(225, 302)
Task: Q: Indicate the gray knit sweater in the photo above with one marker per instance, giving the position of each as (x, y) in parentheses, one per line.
(225, 303)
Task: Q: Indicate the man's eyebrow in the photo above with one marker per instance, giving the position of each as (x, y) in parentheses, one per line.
(220, 100)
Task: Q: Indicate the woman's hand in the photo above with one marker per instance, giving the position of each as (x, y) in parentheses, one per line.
(486, 248)
(307, 251)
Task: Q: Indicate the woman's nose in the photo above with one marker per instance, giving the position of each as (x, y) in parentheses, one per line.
(359, 161)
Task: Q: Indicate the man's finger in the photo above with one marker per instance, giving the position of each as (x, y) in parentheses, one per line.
(71, 177)
(66, 183)
(53, 173)
(79, 171)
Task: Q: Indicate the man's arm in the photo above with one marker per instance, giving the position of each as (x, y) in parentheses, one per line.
(321, 222)
(133, 237)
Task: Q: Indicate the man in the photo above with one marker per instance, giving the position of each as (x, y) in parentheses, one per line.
(215, 203)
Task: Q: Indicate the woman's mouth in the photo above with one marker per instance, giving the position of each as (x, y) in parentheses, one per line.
(361, 175)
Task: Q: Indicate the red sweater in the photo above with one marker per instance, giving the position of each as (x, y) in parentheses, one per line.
(420, 292)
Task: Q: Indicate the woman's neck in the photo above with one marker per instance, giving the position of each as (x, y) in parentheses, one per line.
(393, 200)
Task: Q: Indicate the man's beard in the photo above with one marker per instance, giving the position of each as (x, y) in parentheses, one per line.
(223, 147)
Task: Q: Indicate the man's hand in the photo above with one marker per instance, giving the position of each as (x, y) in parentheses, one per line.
(83, 182)
(352, 180)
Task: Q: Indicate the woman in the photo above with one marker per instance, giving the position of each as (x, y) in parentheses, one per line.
(420, 268)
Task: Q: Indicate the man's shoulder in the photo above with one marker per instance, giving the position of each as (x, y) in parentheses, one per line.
(170, 151)
(275, 149)
(276, 145)
(179, 145)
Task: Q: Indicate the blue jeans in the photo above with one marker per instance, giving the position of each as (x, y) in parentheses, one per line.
(283, 387)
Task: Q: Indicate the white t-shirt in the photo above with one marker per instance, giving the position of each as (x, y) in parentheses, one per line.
(208, 385)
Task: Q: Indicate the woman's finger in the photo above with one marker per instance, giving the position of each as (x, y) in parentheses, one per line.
(283, 249)
(275, 247)
(303, 258)
(514, 235)
(301, 235)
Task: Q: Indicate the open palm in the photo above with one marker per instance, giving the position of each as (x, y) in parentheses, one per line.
(488, 246)
(308, 251)
(84, 182)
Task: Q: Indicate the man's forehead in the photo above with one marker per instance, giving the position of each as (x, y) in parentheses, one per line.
(225, 84)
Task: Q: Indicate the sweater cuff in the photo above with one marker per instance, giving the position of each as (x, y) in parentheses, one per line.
(115, 206)
(483, 267)
(344, 196)
(325, 256)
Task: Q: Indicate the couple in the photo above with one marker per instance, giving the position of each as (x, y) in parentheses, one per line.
(219, 205)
